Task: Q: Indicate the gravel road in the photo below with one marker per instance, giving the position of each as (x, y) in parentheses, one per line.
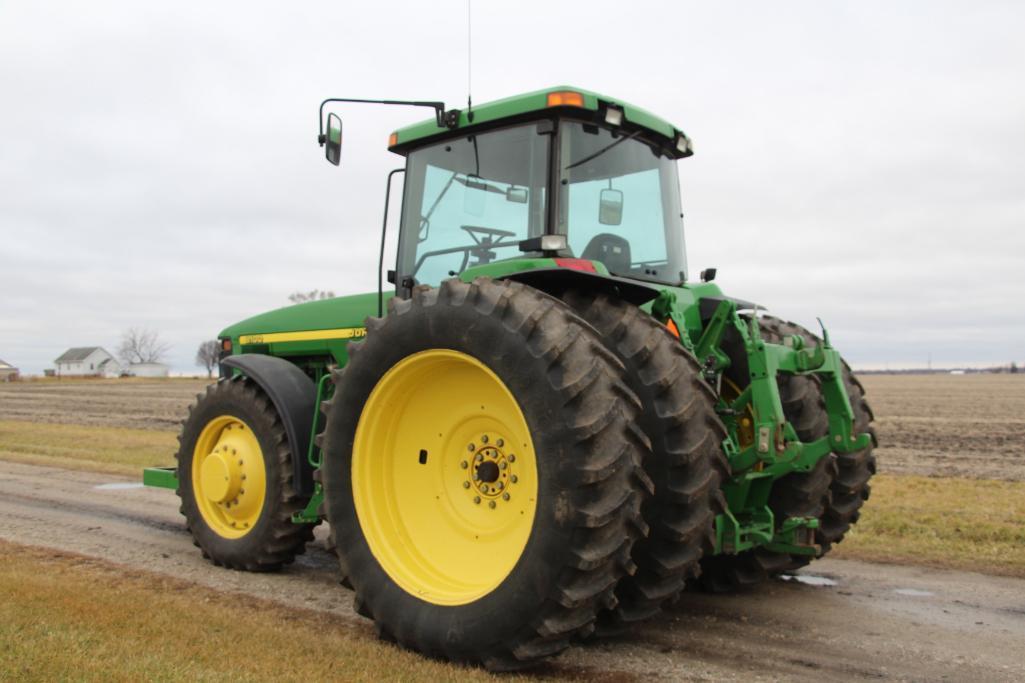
(870, 621)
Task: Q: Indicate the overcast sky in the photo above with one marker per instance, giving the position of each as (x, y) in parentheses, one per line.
(862, 161)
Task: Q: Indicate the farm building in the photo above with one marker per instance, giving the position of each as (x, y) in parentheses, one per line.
(87, 361)
(148, 370)
(7, 372)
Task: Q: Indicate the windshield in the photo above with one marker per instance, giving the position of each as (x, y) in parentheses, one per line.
(471, 200)
(619, 203)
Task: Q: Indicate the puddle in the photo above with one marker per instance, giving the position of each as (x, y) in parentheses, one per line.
(913, 592)
(809, 579)
(118, 486)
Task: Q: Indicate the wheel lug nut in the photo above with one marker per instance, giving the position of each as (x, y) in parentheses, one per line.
(466, 484)
(241, 491)
(476, 500)
(505, 496)
(512, 458)
(240, 461)
(478, 458)
(484, 489)
(500, 443)
(464, 464)
(484, 439)
(503, 464)
(491, 504)
(470, 447)
(513, 478)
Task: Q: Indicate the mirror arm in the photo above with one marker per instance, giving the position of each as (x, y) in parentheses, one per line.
(444, 119)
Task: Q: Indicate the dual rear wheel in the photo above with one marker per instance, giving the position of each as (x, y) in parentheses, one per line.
(494, 485)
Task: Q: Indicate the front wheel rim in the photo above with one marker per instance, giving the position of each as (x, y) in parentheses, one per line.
(228, 476)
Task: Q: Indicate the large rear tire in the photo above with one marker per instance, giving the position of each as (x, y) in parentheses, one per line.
(833, 491)
(687, 463)
(482, 473)
(235, 480)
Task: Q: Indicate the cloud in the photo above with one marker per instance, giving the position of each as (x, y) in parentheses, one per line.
(865, 162)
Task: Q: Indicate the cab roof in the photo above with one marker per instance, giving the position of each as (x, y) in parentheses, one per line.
(561, 96)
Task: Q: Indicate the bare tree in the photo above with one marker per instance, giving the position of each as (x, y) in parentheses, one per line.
(312, 295)
(140, 345)
(207, 356)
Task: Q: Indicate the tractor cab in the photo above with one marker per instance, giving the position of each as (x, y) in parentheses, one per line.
(564, 174)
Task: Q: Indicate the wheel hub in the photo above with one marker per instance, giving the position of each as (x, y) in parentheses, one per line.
(491, 470)
(222, 477)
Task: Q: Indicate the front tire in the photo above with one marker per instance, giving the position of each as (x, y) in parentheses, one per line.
(235, 480)
(453, 393)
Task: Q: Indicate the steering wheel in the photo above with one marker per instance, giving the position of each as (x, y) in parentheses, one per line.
(479, 233)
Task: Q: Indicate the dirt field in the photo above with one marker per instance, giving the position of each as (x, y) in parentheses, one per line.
(932, 425)
(950, 425)
(136, 403)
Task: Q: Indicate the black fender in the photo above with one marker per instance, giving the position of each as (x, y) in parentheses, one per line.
(294, 396)
(557, 281)
(708, 305)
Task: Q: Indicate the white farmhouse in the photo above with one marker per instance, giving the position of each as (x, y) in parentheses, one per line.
(7, 372)
(87, 361)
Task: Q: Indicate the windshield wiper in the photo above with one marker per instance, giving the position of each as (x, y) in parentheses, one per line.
(601, 151)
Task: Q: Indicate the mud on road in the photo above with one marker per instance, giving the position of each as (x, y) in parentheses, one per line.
(872, 622)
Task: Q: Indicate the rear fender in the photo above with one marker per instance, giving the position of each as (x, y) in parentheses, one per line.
(557, 281)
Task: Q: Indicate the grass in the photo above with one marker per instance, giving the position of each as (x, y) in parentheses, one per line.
(68, 617)
(969, 524)
(111, 450)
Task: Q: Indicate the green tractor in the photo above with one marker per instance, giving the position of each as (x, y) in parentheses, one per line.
(543, 429)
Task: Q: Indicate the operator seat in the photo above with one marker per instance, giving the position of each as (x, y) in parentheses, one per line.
(612, 250)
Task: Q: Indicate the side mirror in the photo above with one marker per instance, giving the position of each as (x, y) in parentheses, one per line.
(610, 207)
(516, 194)
(333, 144)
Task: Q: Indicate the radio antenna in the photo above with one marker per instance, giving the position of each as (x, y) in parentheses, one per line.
(469, 63)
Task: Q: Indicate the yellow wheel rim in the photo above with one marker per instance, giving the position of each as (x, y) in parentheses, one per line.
(228, 477)
(444, 477)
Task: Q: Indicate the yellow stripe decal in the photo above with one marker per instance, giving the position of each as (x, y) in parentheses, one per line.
(310, 335)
